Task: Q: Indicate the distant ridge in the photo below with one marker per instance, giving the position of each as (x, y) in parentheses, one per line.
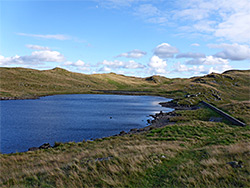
(222, 90)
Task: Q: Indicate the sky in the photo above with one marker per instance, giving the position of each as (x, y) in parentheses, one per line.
(172, 38)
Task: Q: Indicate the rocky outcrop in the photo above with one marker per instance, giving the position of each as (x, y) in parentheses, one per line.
(18, 98)
(177, 106)
(44, 146)
(33, 149)
(236, 164)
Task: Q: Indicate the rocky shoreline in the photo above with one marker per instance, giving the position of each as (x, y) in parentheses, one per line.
(159, 120)
(18, 98)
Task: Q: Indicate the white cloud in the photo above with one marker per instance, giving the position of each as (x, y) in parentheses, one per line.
(157, 65)
(194, 70)
(224, 19)
(165, 50)
(6, 61)
(36, 57)
(190, 55)
(235, 51)
(201, 69)
(37, 47)
(236, 28)
(180, 67)
(105, 69)
(46, 56)
(78, 63)
(184, 68)
(227, 19)
(56, 37)
(133, 54)
(121, 64)
(220, 68)
(208, 60)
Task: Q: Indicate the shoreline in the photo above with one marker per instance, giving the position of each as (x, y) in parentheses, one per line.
(162, 119)
(159, 119)
(109, 92)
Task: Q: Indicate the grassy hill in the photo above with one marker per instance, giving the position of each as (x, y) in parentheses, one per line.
(21, 82)
(191, 152)
(229, 90)
(26, 83)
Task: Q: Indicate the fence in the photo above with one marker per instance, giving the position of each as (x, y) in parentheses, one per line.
(225, 115)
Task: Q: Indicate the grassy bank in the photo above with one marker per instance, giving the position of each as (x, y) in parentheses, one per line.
(228, 91)
(182, 155)
(191, 151)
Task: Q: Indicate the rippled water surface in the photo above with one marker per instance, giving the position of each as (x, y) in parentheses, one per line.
(64, 118)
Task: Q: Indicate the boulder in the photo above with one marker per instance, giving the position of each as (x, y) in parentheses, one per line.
(122, 133)
(45, 146)
(33, 149)
(236, 164)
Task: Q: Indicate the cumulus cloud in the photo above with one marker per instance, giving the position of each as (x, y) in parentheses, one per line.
(56, 37)
(121, 64)
(76, 64)
(6, 61)
(190, 55)
(165, 50)
(36, 57)
(80, 65)
(178, 67)
(208, 60)
(220, 68)
(133, 54)
(157, 65)
(199, 66)
(45, 56)
(235, 52)
(105, 69)
(37, 47)
(200, 69)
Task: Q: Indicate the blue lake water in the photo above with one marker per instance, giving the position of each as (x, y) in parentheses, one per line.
(64, 118)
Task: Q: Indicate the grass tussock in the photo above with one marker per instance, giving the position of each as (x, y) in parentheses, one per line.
(183, 155)
(193, 152)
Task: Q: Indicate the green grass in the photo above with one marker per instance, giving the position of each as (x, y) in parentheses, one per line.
(192, 152)
(182, 155)
(219, 134)
(200, 165)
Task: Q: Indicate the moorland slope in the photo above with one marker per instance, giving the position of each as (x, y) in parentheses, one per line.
(191, 151)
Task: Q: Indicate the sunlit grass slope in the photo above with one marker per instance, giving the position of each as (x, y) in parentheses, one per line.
(229, 90)
(191, 152)
(26, 83)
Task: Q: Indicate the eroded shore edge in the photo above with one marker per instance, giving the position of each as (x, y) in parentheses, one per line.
(159, 119)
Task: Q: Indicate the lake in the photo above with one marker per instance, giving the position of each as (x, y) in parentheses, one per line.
(65, 118)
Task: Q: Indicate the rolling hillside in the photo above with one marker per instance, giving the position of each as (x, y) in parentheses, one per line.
(229, 90)
(192, 151)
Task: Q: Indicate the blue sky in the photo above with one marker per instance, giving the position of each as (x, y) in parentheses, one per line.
(173, 38)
